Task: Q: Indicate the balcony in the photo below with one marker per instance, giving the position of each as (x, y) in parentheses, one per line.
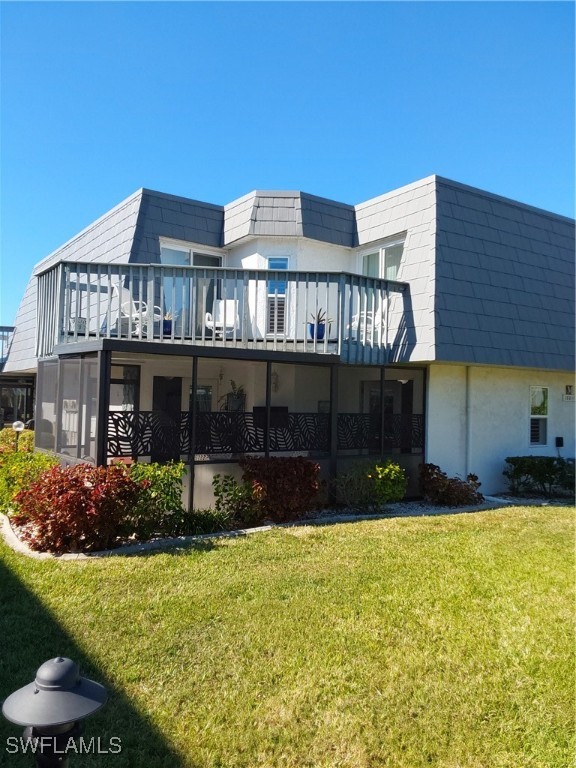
(247, 309)
(6, 333)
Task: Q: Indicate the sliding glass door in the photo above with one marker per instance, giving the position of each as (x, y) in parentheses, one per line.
(187, 298)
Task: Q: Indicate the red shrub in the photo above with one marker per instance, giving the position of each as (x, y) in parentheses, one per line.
(438, 488)
(76, 508)
(285, 488)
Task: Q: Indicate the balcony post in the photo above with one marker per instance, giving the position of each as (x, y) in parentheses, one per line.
(62, 302)
(340, 321)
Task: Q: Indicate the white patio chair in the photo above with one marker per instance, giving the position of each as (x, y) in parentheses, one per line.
(133, 313)
(223, 319)
(367, 327)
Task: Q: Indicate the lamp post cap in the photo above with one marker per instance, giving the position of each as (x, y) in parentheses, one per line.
(58, 695)
(18, 426)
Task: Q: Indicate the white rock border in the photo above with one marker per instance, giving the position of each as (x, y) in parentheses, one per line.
(399, 510)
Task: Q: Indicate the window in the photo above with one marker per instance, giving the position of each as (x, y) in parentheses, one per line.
(15, 402)
(384, 262)
(392, 257)
(538, 415)
(276, 322)
(203, 398)
(125, 388)
(183, 255)
(177, 295)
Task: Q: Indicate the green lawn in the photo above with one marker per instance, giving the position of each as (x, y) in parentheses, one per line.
(442, 641)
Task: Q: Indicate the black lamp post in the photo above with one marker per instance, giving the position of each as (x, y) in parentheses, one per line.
(18, 426)
(52, 708)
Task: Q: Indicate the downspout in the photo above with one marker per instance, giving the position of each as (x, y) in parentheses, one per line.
(467, 430)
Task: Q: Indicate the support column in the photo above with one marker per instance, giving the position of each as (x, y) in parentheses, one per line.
(81, 426)
(268, 406)
(104, 370)
(58, 409)
(333, 464)
(193, 419)
(382, 414)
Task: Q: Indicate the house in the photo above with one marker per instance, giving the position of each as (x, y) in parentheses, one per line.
(171, 328)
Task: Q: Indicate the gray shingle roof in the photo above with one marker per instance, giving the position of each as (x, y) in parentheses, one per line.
(518, 262)
(491, 280)
(289, 214)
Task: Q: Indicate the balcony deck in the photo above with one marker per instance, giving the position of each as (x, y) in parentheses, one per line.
(248, 309)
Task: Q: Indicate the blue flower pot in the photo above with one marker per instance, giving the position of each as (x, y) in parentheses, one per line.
(316, 331)
(167, 327)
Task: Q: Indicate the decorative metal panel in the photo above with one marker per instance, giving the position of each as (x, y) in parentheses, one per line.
(217, 432)
(230, 432)
(358, 431)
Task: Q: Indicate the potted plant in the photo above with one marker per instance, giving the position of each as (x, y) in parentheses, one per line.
(167, 324)
(235, 400)
(317, 328)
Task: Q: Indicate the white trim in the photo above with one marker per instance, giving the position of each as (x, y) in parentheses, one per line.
(384, 242)
(191, 247)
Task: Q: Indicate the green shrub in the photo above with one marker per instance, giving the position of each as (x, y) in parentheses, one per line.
(18, 471)
(284, 487)
(440, 489)
(235, 504)
(540, 474)
(26, 440)
(567, 475)
(199, 521)
(159, 506)
(8, 440)
(366, 487)
(391, 481)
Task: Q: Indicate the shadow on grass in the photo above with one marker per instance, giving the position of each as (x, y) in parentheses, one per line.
(170, 546)
(30, 635)
(158, 547)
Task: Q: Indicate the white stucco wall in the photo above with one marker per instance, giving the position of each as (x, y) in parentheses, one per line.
(479, 415)
(303, 253)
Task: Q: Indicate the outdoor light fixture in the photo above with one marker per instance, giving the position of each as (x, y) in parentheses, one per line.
(52, 708)
(403, 381)
(18, 426)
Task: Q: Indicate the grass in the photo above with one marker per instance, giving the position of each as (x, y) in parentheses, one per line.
(441, 641)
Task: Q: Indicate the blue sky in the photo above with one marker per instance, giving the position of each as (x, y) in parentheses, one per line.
(212, 100)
